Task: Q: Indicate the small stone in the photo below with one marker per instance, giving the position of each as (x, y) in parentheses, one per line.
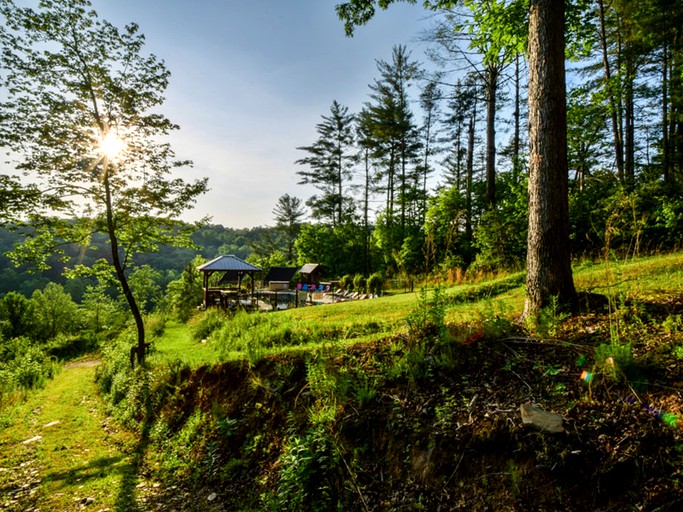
(88, 501)
(212, 496)
(537, 417)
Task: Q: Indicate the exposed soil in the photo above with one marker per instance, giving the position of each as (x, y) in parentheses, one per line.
(447, 435)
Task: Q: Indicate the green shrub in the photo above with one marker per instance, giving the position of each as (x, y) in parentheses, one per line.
(23, 365)
(128, 391)
(427, 320)
(155, 325)
(347, 282)
(375, 283)
(72, 346)
(113, 374)
(360, 283)
(205, 324)
(614, 361)
(307, 471)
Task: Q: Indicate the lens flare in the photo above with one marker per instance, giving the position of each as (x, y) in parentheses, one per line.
(112, 145)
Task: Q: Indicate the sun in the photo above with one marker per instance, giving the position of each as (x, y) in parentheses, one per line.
(112, 145)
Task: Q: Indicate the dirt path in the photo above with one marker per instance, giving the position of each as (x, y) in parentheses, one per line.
(61, 452)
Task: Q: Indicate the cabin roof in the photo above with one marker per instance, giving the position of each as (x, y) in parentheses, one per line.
(309, 268)
(280, 274)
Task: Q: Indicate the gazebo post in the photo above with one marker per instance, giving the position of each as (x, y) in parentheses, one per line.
(206, 290)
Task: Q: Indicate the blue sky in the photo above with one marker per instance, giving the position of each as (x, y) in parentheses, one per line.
(250, 80)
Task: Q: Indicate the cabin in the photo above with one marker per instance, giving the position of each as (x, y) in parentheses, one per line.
(279, 278)
(311, 273)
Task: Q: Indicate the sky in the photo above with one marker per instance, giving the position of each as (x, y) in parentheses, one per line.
(250, 79)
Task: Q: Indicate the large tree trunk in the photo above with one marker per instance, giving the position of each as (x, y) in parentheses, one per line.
(549, 272)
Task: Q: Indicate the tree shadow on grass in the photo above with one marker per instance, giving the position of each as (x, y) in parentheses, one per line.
(126, 501)
(98, 468)
(91, 471)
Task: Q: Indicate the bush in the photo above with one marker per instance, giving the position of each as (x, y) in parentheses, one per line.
(72, 346)
(155, 325)
(23, 365)
(360, 283)
(307, 469)
(207, 323)
(129, 391)
(427, 321)
(375, 283)
(347, 282)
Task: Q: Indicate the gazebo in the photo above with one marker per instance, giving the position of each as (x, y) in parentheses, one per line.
(233, 269)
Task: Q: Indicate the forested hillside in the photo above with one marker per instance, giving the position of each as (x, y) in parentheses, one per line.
(168, 261)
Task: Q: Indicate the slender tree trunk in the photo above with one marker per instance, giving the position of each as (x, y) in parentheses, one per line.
(516, 115)
(470, 172)
(616, 126)
(629, 125)
(549, 272)
(676, 99)
(403, 196)
(666, 162)
(366, 208)
(139, 350)
(458, 157)
(340, 199)
(491, 88)
(428, 135)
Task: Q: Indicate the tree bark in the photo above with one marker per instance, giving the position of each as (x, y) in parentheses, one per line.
(629, 123)
(549, 273)
(138, 350)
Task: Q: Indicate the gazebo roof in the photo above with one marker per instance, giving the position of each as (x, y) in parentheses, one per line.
(228, 263)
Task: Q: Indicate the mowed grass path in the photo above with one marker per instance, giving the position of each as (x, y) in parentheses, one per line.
(60, 452)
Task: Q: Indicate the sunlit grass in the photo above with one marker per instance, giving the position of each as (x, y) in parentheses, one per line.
(177, 343)
(353, 322)
(83, 459)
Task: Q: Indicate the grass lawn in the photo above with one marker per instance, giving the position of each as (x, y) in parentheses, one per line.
(177, 343)
(363, 321)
